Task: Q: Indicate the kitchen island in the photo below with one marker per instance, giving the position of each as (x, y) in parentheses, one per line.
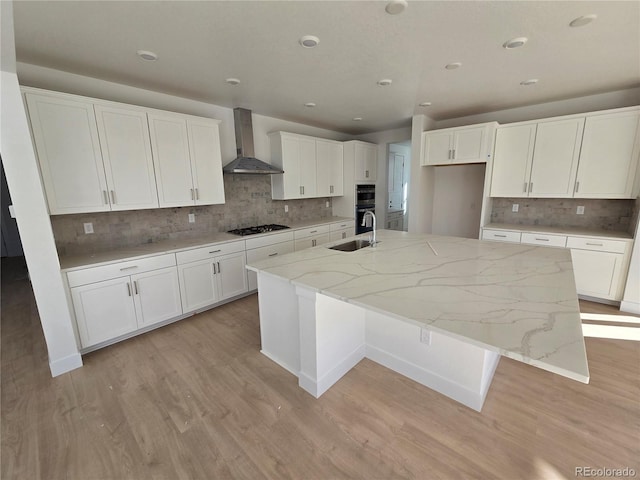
(439, 310)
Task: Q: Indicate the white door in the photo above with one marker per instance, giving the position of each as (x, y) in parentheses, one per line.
(232, 275)
(156, 295)
(596, 272)
(469, 145)
(396, 181)
(206, 162)
(66, 140)
(128, 163)
(307, 167)
(291, 166)
(197, 285)
(371, 162)
(512, 161)
(609, 156)
(170, 146)
(104, 310)
(336, 169)
(323, 168)
(437, 148)
(555, 158)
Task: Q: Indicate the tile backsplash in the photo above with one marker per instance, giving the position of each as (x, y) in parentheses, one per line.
(248, 202)
(616, 215)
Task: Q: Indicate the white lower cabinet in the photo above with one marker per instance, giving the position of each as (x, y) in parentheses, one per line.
(267, 247)
(501, 235)
(107, 307)
(314, 241)
(341, 230)
(218, 276)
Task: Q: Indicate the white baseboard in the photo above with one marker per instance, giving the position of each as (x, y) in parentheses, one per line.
(318, 387)
(429, 379)
(630, 307)
(66, 364)
(284, 365)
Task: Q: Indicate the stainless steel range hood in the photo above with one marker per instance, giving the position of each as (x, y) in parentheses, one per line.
(246, 162)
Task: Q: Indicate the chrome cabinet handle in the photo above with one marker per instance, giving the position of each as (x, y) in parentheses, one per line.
(330, 188)
(300, 189)
(313, 243)
(542, 239)
(366, 173)
(219, 270)
(128, 289)
(273, 254)
(135, 286)
(113, 196)
(313, 231)
(197, 195)
(215, 251)
(344, 234)
(525, 187)
(577, 187)
(192, 196)
(453, 154)
(105, 197)
(214, 268)
(595, 244)
(128, 268)
(531, 187)
(500, 236)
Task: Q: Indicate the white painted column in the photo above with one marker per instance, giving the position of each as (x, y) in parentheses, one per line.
(32, 217)
(420, 197)
(631, 299)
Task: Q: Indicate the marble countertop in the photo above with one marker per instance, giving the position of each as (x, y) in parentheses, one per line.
(517, 300)
(93, 259)
(581, 232)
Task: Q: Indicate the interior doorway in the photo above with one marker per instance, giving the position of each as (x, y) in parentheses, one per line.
(398, 172)
(10, 237)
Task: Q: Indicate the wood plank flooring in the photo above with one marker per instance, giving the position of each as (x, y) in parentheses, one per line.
(196, 400)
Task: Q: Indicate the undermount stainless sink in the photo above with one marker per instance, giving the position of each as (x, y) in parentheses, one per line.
(352, 245)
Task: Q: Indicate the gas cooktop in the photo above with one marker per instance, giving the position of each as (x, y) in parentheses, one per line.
(259, 229)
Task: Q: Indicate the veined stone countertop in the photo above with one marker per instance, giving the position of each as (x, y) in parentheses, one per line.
(517, 300)
(581, 232)
(94, 259)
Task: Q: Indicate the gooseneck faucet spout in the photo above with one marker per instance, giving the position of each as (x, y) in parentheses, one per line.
(364, 221)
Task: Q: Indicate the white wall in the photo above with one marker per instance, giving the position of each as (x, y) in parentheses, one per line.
(421, 185)
(631, 299)
(32, 217)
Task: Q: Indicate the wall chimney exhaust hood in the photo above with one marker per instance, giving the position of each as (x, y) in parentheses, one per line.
(246, 162)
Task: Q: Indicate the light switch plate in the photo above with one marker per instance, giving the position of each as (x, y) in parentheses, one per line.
(515, 207)
(88, 228)
(286, 208)
(192, 218)
(327, 203)
(425, 336)
(580, 210)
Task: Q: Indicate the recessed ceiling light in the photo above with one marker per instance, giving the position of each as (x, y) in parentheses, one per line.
(147, 55)
(394, 7)
(233, 81)
(515, 42)
(385, 82)
(309, 41)
(531, 81)
(453, 66)
(425, 104)
(310, 104)
(583, 20)
(357, 119)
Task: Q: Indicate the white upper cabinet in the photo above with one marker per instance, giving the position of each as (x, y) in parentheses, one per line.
(329, 168)
(555, 158)
(471, 144)
(296, 155)
(126, 152)
(512, 160)
(66, 140)
(366, 162)
(186, 155)
(609, 156)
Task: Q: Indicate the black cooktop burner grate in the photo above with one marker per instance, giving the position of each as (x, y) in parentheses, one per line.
(259, 229)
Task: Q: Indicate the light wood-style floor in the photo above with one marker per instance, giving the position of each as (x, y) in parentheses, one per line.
(196, 400)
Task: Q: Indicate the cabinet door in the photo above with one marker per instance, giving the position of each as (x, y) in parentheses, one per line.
(365, 162)
(128, 164)
(262, 253)
(197, 285)
(104, 310)
(156, 295)
(512, 161)
(291, 166)
(170, 147)
(206, 162)
(307, 161)
(336, 169)
(329, 169)
(231, 275)
(555, 158)
(469, 145)
(609, 156)
(437, 148)
(340, 234)
(66, 140)
(303, 243)
(597, 274)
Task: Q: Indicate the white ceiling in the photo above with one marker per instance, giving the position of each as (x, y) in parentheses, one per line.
(200, 44)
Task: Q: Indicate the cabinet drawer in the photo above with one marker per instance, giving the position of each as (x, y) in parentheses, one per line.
(269, 251)
(271, 239)
(348, 224)
(210, 251)
(311, 231)
(544, 239)
(501, 235)
(121, 269)
(597, 244)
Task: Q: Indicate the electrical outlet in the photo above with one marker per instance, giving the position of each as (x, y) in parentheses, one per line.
(327, 203)
(515, 207)
(286, 208)
(88, 228)
(425, 336)
(580, 210)
(192, 218)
